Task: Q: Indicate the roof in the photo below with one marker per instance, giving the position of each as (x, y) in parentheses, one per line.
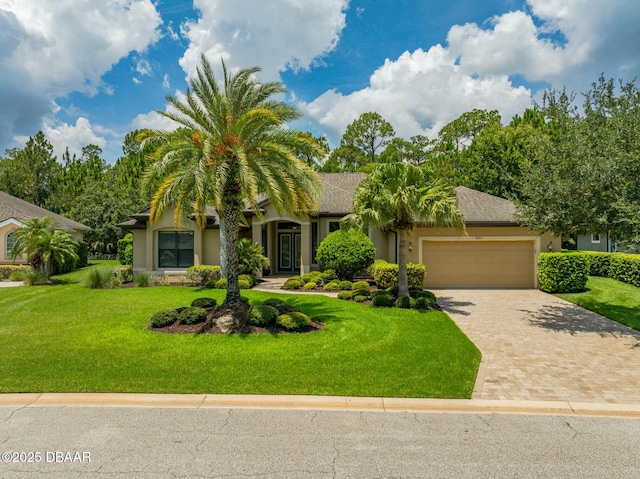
(12, 207)
(483, 208)
(337, 192)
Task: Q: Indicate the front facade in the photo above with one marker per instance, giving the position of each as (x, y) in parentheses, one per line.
(13, 213)
(496, 252)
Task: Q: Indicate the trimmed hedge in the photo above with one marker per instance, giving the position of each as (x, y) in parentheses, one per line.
(626, 268)
(204, 303)
(346, 253)
(203, 274)
(386, 274)
(293, 321)
(6, 270)
(562, 272)
(192, 315)
(164, 317)
(262, 315)
(599, 263)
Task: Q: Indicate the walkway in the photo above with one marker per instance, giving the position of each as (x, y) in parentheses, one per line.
(538, 347)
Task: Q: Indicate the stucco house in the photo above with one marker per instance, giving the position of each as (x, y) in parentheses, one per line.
(497, 252)
(13, 213)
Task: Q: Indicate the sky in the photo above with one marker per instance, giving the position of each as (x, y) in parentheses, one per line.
(87, 72)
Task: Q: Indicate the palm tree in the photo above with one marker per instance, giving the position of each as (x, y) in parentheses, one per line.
(43, 243)
(231, 146)
(398, 197)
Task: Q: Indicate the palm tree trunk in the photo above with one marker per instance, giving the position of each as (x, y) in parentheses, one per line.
(230, 228)
(403, 281)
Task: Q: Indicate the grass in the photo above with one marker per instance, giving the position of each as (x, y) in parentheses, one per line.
(69, 338)
(608, 297)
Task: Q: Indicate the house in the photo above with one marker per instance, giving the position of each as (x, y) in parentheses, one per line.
(14, 211)
(497, 251)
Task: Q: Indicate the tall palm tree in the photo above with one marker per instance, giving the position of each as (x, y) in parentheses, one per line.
(398, 197)
(232, 145)
(43, 243)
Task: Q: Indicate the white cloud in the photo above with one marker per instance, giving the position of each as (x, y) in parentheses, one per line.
(274, 35)
(144, 68)
(166, 84)
(153, 120)
(73, 136)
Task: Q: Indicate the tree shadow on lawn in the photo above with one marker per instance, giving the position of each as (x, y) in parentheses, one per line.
(573, 319)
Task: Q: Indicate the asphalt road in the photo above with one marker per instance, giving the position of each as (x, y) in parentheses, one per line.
(158, 443)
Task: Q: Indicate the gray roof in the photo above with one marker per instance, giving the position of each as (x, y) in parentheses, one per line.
(12, 207)
(337, 192)
(483, 208)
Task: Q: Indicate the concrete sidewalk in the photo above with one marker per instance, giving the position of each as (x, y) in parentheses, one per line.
(240, 401)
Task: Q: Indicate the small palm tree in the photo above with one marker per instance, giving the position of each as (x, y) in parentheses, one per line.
(232, 146)
(251, 257)
(43, 244)
(398, 197)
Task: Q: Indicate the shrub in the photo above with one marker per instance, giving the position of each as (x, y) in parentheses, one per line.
(360, 285)
(358, 298)
(163, 318)
(125, 250)
(34, 277)
(361, 292)
(419, 293)
(6, 270)
(382, 300)
(251, 257)
(345, 295)
(203, 273)
(124, 274)
(425, 302)
(346, 253)
(262, 315)
(599, 263)
(314, 276)
(293, 321)
(244, 284)
(293, 283)
(98, 278)
(249, 278)
(405, 302)
(562, 272)
(211, 284)
(345, 285)
(221, 283)
(386, 274)
(625, 268)
(328, 275)
(204, 303)
(18, 276)
(332, 286)
(192, 315)
(82, 250)
(284, 308)
(142, 279)
(393, 290)
(310, 285)
(273, 302)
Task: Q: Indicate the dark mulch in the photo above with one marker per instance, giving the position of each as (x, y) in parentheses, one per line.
(240, 314)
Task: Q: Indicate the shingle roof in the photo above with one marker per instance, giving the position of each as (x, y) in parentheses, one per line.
(12, 207)
(478, 207)
(337, 192)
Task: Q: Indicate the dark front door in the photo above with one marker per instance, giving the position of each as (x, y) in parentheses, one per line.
(289, 252)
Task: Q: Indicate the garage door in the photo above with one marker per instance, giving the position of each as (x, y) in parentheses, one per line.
(479, 264)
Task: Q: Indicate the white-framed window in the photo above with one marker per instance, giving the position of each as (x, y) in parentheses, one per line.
(595, 238)
(11, 240)
(175, 249)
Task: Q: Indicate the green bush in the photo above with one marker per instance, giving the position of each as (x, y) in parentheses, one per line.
(314, 276)
(82, 250)
(34, 277)
(424, 302)
(293, 283)
(393, 290)
(625, 268)
(204, 303)
(163, 318)
(192, 315)
(328, 275)
(361, 292)
(360, 285)
(124, 274)
(251, 257)
(332, 286)
(142, 279)
(273, 302)
(358, 298)
(244, 284)
(405, 302)
(294, 320)
(221, 283)
(346, 253)
(382, 300)
(346, 285)
(284, 308)
(310, 285)
(18, 276)
(386, 274)
(125, 250)
(203, 273)
(562, 272)
(345, 295)
(262, 315)
(249, 278)
(379, 292)
(98, 278)
(6, 270)
(599, 263)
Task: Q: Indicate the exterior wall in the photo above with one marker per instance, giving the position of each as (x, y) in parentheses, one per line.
(5, 256)
(585, 243)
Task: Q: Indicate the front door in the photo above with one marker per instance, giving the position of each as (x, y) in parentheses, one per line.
(289, 245)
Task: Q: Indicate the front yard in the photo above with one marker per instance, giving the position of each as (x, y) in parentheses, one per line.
(68, 338)
(608, 297)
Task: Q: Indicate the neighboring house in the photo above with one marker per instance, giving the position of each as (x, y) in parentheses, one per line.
(14, 211)
(602, 242)
(497, 251)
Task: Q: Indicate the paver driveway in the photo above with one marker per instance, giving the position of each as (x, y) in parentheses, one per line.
(538, 347)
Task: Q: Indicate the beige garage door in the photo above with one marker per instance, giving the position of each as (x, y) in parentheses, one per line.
(479, 264)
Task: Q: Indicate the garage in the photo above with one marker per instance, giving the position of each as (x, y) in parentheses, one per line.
(479, 263)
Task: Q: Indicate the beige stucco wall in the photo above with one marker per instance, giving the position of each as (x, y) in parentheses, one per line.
(5, 257)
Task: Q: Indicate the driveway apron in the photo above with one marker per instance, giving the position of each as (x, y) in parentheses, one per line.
(538, 347)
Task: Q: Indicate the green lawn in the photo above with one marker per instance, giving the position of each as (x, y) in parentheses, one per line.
(608, 297)
(68, 338)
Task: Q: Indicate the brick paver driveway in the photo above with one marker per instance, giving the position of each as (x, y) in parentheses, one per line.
(538, 347)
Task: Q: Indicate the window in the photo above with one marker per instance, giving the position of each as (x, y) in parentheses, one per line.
(334, 226)
(11, 240)
(175, 249)
(314, 241)
(595, 238)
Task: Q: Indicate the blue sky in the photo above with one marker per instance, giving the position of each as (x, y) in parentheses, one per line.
(89, 72)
